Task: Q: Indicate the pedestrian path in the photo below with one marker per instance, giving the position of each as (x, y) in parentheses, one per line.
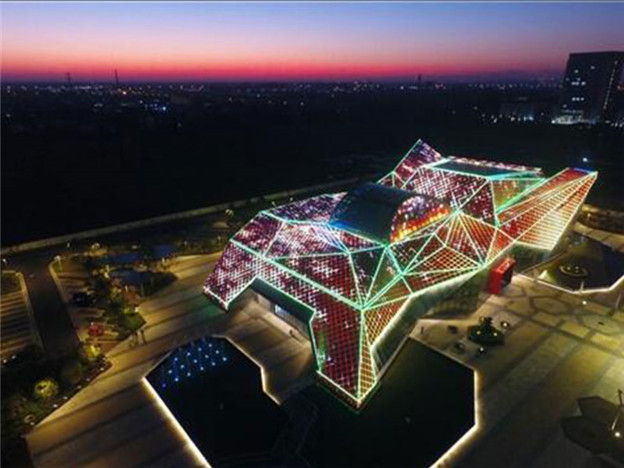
(285, 360)
(558, 347)
(17, 326)
(116, 420)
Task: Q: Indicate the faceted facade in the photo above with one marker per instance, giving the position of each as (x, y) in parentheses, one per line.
(355, 261)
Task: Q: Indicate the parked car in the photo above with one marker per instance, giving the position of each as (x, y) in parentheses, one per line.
(82, 299)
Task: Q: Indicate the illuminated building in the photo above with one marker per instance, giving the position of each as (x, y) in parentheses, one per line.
(351, 268)
(589, 87)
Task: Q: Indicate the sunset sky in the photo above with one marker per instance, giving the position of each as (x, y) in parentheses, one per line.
(275, 41)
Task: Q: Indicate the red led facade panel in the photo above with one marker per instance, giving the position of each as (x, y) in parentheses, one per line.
(458, 218)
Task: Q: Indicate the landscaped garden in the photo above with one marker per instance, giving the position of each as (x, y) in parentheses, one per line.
(118, 280)
(30, 392)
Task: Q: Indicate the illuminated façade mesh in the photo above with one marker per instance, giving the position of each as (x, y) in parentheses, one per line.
(461, 216)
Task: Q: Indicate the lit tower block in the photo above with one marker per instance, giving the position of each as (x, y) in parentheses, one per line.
(348, 266)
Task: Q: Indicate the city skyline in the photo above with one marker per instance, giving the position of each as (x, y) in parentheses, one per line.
(300, 41)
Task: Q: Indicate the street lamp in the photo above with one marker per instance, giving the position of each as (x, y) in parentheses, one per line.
(58, 258)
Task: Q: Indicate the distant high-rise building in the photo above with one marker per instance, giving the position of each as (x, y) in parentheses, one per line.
(589, 87)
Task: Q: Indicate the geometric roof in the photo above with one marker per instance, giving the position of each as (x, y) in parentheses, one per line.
(370, 210)
(355, 260)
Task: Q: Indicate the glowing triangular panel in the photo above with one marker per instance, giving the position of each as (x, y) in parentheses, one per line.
(331, 271)
(480, 234)
(541, 192)
(352, 241)
(546, 233)
(385, 273)
(444, 260)
(397, 291)
(365, 263)
(303, 239)
(506, 189)
(367, 371)
(259, 232)
(232, 274)
(378, 318)
(405, 252)
(500, 242)
(459, 239)
(421, 281)
(525, 221)
(481, 205)
(336, 329)
(432, 245)
(419, 155)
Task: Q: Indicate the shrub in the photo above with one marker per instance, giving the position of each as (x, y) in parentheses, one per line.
(132, 321)
(91, 353)
(45, 389)
(72, 372)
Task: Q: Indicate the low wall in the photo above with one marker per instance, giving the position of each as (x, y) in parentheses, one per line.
(51, 241)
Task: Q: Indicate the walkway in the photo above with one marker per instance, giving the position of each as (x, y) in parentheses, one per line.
(117, 421)
(557, 349)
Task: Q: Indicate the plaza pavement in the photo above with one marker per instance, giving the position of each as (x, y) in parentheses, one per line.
(115, 421)
(557, 350)
(560, 347)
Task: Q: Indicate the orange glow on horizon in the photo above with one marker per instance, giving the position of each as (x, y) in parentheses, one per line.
(232, 69)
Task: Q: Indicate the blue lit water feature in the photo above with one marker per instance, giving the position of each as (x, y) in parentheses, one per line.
(215, 392)
(201, 356)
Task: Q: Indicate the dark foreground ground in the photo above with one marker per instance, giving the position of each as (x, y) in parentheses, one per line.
(424, 404)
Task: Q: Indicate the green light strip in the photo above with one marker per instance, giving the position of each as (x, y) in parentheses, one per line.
(544, 199)
(297, 275)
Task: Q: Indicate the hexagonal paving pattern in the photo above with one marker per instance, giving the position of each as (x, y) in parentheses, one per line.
(550, 305)
(600, 323)
(514, 291)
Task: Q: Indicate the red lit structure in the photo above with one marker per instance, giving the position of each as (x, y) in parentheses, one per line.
(500, 275)
(357, 269)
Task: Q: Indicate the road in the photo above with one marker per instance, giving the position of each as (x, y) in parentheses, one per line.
(55, 327)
